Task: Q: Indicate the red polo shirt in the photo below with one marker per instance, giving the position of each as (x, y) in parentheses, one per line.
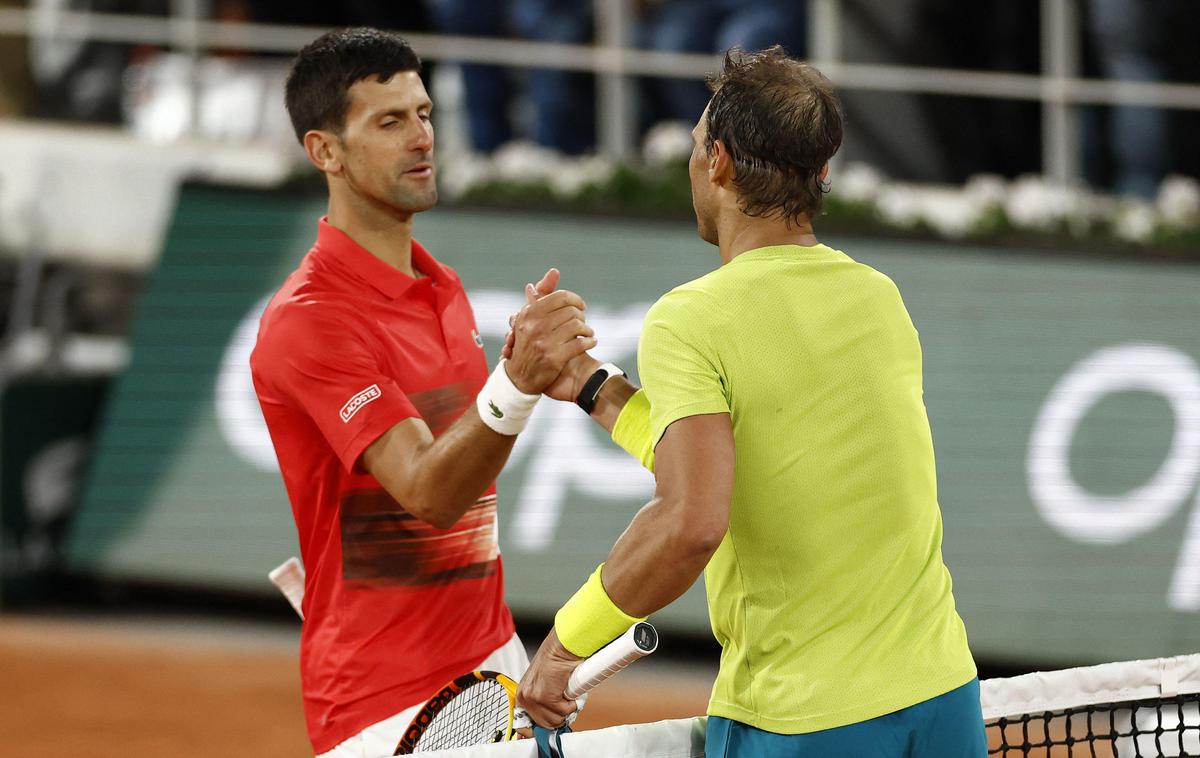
(393, 607)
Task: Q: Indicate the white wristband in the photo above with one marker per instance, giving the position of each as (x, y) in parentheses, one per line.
(502, 406)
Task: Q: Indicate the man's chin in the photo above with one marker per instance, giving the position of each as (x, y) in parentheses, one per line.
(418, 203)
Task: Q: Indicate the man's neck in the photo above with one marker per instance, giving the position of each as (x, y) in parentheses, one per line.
(381, 232)
(739, 233)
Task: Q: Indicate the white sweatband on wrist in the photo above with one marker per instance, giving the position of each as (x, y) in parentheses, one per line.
(502, 406)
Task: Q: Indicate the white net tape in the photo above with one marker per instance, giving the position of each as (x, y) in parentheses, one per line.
(1038, 693)
(1090, 685)
(678, 738)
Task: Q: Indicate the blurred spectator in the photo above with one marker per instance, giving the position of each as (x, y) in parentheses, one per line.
(83, 79)
(714, 26)
(562, 101)
(487, 90)
(16, 87)
(77, 79)
(404, 16)
(980, 135)
(1126, 39)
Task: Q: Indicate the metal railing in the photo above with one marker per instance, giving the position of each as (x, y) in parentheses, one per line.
(1059, 86)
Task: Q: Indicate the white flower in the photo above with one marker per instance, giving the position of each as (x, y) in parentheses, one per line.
(898, 204)
(857, 182)
(947, 210)
(1136, 220)
(987, 189)
(1037, 203)
(667, 142)
(521, 161)
(1179, 201)
(463, 173)
(574, 175)
(950, 211)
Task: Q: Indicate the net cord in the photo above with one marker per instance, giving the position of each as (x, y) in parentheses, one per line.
(1089, 685)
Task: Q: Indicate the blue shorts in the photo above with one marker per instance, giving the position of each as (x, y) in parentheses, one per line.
(947, 726)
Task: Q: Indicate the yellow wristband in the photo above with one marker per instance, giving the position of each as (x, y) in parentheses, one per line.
(590, 619)
(632, 429)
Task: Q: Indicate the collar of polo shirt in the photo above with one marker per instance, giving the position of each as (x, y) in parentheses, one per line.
(333, 243)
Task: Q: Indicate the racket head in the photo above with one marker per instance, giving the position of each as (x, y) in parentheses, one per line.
(473, 709)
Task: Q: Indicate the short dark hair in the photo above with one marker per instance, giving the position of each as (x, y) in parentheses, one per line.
(781, 123)
(325, 69)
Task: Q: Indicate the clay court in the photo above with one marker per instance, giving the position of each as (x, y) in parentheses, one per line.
(106, 688)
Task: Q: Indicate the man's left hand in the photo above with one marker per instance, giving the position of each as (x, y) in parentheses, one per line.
(541, 690)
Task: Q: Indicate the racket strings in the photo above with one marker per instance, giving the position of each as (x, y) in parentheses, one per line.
(478, 715)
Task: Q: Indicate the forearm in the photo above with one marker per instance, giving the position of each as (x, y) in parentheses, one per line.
(452, 471)
(655, 560)
(437, 480)
(611, 401)
(669, 541)
(618, 407)
(456, 468)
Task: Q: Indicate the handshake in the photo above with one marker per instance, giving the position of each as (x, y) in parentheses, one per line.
(545, 351)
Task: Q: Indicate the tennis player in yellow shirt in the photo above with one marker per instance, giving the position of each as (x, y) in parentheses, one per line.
(782, 415)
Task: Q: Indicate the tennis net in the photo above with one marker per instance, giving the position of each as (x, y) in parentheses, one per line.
(1134, 709)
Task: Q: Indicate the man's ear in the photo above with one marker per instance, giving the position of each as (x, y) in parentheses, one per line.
(720, 164)
(323, 150)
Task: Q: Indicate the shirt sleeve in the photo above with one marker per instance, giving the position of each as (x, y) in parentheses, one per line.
(632, 429)
(679, 369)
(325, 365)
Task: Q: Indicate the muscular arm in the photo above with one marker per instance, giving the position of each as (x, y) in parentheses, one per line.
(669, 542)
(438, 479)
(660, 554)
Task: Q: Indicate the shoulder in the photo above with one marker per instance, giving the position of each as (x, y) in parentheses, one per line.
(864, 271)
(697, 299)
(873, 284)
(299, 323)
(683, 319)
(307, 310)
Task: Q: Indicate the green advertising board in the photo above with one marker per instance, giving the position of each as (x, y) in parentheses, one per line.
(1064, 395)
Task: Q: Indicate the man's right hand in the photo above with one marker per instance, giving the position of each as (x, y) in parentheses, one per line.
(548, 332)
(569, 383)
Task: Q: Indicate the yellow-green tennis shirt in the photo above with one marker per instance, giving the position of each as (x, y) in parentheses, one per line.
(828, 594)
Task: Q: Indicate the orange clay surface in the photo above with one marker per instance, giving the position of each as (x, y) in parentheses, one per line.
(122, 689)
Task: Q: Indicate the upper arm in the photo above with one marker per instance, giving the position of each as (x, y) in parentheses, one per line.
(691, 430)
(324, 364)
(678, 364)
(694, 471)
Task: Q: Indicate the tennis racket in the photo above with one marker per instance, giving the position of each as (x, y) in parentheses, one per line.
(477, 708)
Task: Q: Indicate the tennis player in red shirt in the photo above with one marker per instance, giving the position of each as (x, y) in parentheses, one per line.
(388, 428)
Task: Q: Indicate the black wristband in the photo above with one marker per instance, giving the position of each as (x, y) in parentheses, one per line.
(591, 388)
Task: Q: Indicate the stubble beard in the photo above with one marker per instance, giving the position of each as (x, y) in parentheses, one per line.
(414, 201)
(397, 197)
(704, 226)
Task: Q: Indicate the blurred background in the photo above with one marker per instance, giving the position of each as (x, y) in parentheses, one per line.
(1025, 170)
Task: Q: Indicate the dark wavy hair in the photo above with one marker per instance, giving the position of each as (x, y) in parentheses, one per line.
(325, 69)
(781, 122)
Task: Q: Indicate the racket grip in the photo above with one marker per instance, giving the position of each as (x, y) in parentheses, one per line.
(289, 578)
(640, 640)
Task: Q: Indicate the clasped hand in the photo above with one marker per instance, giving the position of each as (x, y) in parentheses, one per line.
(548, 340)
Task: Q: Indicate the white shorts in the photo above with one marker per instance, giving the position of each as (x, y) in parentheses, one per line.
(380, 738)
